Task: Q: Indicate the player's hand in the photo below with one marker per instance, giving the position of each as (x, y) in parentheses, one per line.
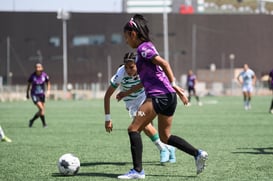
(120, 96)
(108, 126)
(181, 93)
(47, 94)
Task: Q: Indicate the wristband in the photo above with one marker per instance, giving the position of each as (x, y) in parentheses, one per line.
(107, 117)
(173, 83)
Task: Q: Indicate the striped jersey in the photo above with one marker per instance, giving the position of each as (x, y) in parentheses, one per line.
(126, 82)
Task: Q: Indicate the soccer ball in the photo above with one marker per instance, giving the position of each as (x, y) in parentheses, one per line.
(68, 164)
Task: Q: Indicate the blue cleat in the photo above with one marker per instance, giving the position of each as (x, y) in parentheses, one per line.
(164, 155)
(172, 158)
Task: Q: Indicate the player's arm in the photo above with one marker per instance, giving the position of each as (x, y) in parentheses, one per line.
(269, 81)
(239, 80)
(169, 73)
(107, 96)
(48, 86)
(254, 78)
(28, 88)
(195, 82)
(133, 89)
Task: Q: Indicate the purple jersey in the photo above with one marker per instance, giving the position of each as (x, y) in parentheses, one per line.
(191, 80)
(38, 83)
(271, 76)
(152, 76)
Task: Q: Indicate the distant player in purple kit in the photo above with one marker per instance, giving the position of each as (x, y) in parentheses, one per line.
(191, 82)
(40, 87)
(247, 79)
(270, 82)
(158, 81)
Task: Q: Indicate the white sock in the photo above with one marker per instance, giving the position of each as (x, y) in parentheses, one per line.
(2, 135)
(159, 144)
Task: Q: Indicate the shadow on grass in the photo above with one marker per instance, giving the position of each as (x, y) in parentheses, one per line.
(111, 175)
(90, 164)
(94, 174)
(255, 151)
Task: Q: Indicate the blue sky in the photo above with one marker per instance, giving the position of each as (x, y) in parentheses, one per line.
(69, 5)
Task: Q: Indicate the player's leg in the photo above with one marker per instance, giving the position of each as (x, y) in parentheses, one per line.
(189, 92)
(167, 153)
(35, 100)
(165, 108)
(271, 107)
(245, 100)
(248, 99)
(196, 97)
(143, 117)
(41, 107)
(132, 107)
(3, 137)
(200, 156)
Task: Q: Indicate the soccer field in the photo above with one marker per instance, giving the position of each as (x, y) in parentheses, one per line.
(239, 142)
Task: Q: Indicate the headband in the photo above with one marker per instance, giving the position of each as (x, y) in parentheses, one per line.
(132, 23)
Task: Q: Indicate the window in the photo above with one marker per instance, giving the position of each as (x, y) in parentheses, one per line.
(88, 40)
(116, 38)
(54, 41)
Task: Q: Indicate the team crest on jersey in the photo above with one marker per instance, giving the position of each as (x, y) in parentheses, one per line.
(115, 78)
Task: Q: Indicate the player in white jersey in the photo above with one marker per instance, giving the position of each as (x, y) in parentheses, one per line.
(247, 79)
(126, 77)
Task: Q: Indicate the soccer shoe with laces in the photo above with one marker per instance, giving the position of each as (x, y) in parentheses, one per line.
(164, 155)
(200, 161)
(172, 158)
(6, 139)
(133, 174)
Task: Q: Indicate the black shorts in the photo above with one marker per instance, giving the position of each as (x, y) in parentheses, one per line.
(38, 98)
(165, 104)
(191, 89)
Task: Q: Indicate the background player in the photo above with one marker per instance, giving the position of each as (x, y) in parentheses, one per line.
(126, 77)
(40, 87)
(247, 79)
(191, 82)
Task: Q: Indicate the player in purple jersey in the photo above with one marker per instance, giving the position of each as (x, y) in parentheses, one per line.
(125, 78)
(158, 81)
(40, 87)
(270, 82)
(191, 82)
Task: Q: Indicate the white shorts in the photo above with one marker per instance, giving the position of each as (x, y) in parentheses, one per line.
(133, 105)
(247, 88)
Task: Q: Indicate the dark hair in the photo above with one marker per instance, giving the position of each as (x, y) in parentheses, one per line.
(138, 24)
(129, 57)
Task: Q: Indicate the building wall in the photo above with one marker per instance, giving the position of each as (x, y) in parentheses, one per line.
(248, 37)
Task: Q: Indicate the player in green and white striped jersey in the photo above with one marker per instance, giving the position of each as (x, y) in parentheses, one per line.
(126, 77)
